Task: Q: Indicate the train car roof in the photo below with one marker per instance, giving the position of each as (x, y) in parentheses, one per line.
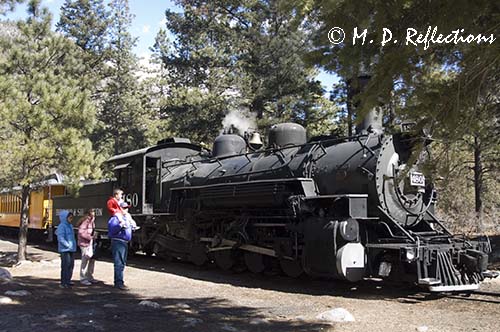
(129, 154)
(165, 143)
(49, 180)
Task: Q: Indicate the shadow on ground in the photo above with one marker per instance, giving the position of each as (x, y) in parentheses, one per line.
(367, 289)
(275, 282)
(269, 281)
(102, 308)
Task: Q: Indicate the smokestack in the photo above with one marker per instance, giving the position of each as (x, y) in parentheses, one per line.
(372, 121)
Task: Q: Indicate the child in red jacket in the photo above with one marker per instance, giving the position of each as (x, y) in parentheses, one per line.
(113, 204)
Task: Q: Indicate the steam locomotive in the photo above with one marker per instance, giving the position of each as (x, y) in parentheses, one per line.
(346, 208)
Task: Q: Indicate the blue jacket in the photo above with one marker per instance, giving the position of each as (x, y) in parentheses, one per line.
(115, 231)
(66, 241)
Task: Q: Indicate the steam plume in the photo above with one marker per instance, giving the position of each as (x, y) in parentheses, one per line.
(239, 119)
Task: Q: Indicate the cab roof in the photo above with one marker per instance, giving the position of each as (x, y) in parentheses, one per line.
(165, 143)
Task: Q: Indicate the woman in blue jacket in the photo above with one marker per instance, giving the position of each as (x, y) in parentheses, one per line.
(66, 244)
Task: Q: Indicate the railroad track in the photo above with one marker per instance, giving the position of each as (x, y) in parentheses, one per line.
(493, 294)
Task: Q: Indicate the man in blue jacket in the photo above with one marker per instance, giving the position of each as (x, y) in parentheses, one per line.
(120, 233)
(66, 245)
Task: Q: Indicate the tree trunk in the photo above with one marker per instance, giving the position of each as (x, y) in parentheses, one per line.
(23, 226)
(118, 148)
(478, 183)
(352, 104)
(349, 117)
(258, 107)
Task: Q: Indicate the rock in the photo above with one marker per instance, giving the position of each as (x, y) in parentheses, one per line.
(5, 300)
(150, 304)
(5, 275)
(50, 262)
(183, 306)
(422, 328)
(23, 263)
(56, 318)
(258, 321)
(18, 293)
(192, 322)
(8, 259)
(492, 280)
(109, 305)
(227, 327)
(90, 301)
(336, 315)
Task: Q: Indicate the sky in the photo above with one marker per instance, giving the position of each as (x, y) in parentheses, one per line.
(149, 18)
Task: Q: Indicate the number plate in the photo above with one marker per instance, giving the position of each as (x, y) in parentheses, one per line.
(417, 179)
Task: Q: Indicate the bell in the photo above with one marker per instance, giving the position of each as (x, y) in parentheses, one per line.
(255, 142)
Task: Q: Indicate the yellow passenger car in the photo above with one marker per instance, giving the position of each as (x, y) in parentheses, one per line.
(40, 211)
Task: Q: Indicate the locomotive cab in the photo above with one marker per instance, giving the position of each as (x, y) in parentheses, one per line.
(139, 173)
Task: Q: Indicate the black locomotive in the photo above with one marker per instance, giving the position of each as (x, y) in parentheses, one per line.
(346, 208)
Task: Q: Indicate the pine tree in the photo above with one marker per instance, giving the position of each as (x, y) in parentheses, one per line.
(45, 111)
(247, 57)
(473, 160)
(126, 120)
(8, 5)
(87, 22)
(123, 121)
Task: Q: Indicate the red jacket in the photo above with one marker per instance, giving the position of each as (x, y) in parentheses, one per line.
(113, 206)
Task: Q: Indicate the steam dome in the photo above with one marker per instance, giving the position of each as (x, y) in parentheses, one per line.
(228, 145)
(284, 134)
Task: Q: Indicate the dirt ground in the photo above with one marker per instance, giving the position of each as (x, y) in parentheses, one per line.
(184, 297)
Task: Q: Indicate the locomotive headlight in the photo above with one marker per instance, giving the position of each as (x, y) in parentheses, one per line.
(408, 254)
